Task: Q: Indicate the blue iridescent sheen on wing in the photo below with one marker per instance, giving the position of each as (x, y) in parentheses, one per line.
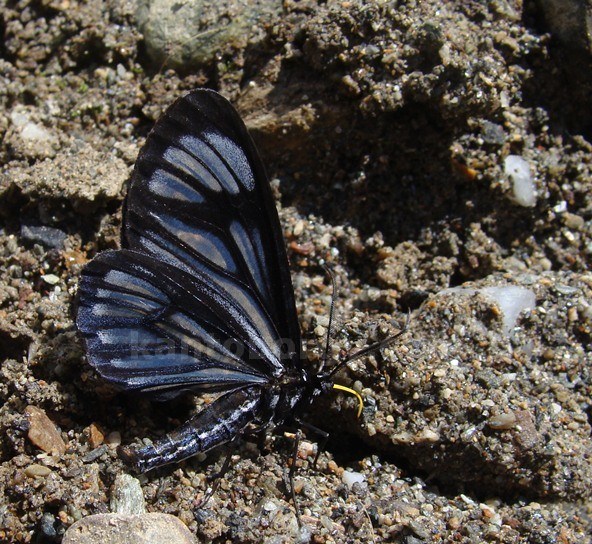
(200, 199)
(203, 264)
(150, 326)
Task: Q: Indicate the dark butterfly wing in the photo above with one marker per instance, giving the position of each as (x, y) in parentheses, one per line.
(200, 200)
(138, 316)
(203, 264)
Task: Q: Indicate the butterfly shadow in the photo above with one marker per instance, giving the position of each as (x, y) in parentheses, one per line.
(391, 173)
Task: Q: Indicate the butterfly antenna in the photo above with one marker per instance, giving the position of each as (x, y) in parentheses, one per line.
(331, 314)
(369, 349)
(377, 346)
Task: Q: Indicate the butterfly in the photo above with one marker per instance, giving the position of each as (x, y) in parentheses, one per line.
(199, 297)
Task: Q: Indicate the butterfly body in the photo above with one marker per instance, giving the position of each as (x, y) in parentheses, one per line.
(247, 410)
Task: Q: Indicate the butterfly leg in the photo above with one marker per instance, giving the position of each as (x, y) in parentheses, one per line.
(289, 480)
(217, 478)
(324, 437)
(297, 438)
(291, 475)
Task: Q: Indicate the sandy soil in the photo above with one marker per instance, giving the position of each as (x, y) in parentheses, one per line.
(384, 127)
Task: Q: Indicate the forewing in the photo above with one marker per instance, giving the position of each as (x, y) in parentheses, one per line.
(153, 327)
(200, 201)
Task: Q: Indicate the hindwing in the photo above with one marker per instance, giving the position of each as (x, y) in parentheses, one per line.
(203, 265)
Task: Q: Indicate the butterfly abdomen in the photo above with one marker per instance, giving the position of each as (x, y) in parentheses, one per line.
(217, 424)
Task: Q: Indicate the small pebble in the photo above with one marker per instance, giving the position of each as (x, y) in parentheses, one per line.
(93, 455)
(46, 236)
(37, 471)
(560, 207)
(51, 279)
(127, 496)
(43, 433)
(113, 439)
(512, 300)
(320, 331)
(349, 478)
(47, 526)
(95, 435)
(427, 435)
(566, 290)
(298, 486)
(492, 133)
(502, 421)
(326, 523)
(298, 228)
(518, 171)
(454, 523)
(420, 528)
(306, 449)
(548, 354)
(269, 506)
(573, 221)
(333, 467)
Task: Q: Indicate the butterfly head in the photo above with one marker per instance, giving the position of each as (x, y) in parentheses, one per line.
(314, 385)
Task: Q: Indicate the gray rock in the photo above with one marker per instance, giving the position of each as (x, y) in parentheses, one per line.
(127, 496)
(46, 236)
(207, 26)
(127, 529)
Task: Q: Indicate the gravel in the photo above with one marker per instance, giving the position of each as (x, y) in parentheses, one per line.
(385, 129)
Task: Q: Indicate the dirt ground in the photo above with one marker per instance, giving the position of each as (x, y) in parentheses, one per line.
(384, 127)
